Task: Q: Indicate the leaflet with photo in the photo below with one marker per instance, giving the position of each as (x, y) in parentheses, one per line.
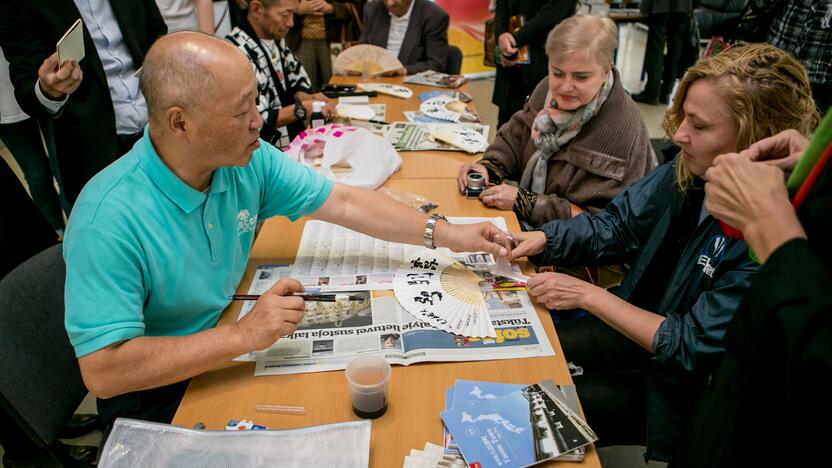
(519, 429)
(467, 393)
(434, 78)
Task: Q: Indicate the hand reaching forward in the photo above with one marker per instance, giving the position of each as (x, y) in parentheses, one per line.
(479, 237)
(527, 243)
(558, 291)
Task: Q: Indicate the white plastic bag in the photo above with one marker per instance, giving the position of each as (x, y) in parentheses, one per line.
(349, 155)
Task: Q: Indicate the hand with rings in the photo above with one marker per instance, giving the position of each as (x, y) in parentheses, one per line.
(499, 196)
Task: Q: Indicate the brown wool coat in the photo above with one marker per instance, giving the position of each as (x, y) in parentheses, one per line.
(612, 151)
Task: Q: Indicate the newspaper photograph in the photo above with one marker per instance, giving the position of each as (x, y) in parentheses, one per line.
(333, 333)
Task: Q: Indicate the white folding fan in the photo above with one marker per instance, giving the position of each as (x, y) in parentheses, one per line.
(460, 136)
(394, 90)
(442, 292)
(367, 59)
(446, 107)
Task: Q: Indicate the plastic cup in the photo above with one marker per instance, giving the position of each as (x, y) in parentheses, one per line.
(367, 377)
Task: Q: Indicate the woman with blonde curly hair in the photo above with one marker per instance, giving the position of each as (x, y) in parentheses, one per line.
(760, 87)
(646, 350)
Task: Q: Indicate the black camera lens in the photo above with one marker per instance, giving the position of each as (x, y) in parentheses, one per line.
(473, 192)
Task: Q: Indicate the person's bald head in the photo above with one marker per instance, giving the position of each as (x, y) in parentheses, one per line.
(186, 69)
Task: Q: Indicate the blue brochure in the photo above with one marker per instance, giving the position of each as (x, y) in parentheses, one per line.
(470, 392)
(521, 428)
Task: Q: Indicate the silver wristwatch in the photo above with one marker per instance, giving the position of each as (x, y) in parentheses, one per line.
(430, 225)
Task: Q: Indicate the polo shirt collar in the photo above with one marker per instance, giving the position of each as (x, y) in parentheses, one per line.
(185, 196)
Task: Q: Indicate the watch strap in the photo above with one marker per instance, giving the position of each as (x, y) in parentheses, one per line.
(430, 226)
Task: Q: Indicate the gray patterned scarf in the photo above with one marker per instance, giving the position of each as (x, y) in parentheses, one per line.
(553, 129)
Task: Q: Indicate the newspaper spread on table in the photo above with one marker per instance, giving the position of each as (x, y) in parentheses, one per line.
(332, 258)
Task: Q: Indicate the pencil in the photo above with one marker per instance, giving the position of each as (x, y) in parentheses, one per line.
(331, 297)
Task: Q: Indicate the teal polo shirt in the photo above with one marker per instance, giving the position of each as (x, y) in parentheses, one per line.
(147, 255)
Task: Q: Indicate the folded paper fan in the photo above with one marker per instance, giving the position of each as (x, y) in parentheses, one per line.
(446, 107)
(366, 59)
(440, 291)
(460, 136)
(387, 88)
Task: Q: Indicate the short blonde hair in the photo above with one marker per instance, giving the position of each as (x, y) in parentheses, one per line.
(764, 89)
(589, 33)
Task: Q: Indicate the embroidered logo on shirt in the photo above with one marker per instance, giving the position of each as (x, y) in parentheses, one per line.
(245, 222)
(712, 255)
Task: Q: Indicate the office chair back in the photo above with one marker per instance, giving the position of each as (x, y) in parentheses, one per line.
(40, 382)
(454, 63)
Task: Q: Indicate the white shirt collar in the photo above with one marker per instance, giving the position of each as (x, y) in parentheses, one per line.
(404, 17)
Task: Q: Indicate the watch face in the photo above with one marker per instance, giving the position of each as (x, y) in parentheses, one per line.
(300, 111)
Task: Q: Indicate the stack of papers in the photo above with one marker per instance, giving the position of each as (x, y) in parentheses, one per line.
(511, 425)
(432, 457)
(408, 136)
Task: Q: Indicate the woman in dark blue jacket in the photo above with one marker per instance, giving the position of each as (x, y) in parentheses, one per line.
(647, 349)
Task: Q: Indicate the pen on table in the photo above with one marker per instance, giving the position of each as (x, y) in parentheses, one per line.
(380, 122)
(332, 297)
(280, 409)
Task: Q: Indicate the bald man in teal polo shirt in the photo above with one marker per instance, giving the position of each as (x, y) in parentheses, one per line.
(159, 239)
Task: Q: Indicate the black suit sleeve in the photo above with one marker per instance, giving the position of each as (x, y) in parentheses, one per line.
(365, 31)
(538, 26)
(501, 15)
(156, 26)
(25, 49)
(436, 45)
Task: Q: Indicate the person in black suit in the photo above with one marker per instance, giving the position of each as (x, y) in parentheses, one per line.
(514, 83)
(773, 383)
(97, 110)
(424, 45)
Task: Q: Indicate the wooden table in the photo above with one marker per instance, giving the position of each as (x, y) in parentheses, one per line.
(416, 164)
(417, 392)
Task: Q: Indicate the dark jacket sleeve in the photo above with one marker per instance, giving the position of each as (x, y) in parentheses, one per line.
(614, 234)
(539, 25)
(156, 26)
(435, 35)
(25, 49)
(366, 19)
(693, 340)
(789, 300)
(501, 16)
